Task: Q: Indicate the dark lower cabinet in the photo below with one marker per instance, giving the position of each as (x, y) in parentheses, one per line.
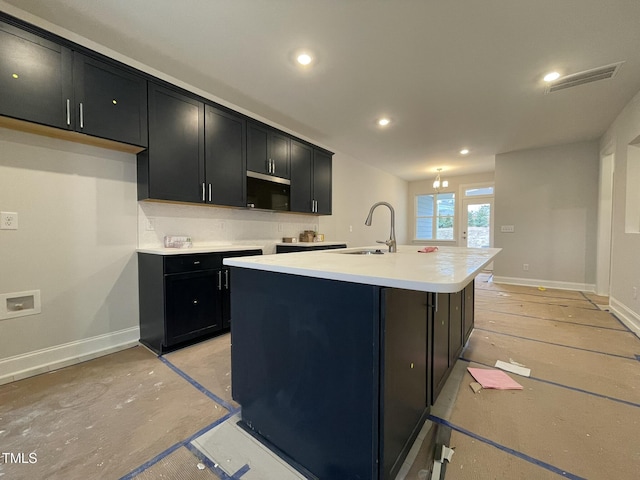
(455, 326)
(406, 365)
(292, 247)
(469, 310)
(192, 305)
(439, 313)
(333, 374)
(183, 298)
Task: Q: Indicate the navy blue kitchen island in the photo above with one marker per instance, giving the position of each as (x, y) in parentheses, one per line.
(336, 370)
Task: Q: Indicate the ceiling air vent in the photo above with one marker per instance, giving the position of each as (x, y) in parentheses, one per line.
(580, 78)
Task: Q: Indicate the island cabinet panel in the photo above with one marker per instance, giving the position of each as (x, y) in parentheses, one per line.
(225, 158)
(172, 168)
(267, 151)
(469, 309)
(305, 368)
(405, 373)
(332, 374)
(455, 326)
(439, 320)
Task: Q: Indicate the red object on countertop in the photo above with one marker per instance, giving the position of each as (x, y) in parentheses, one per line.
(428, 250)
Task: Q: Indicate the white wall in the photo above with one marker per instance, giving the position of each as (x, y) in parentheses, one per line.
(625, 264)
(76, 243)
(550, 195)
(356, 187)
(422, 187)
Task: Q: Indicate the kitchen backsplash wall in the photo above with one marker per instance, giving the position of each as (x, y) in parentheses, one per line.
(218, 226)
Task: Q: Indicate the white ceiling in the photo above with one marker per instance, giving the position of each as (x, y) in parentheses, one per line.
(450, 74)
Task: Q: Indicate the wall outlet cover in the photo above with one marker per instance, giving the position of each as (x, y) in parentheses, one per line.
(8, 221)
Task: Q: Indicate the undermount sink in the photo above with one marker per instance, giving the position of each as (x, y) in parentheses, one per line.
(365, 252)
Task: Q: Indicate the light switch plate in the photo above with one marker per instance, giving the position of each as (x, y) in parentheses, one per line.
(8, 221)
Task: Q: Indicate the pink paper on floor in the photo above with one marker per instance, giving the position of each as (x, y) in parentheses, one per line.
(494, 379)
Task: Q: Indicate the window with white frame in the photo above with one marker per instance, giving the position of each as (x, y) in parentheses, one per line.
(435, 216)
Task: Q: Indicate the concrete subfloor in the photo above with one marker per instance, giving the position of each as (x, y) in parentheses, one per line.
(133, 415)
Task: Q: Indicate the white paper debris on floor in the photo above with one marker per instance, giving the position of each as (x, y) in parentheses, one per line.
(232, 449)
(510, 367)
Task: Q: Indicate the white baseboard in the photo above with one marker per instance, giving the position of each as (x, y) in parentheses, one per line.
(630, 318)
(52, 358)
(532, 282)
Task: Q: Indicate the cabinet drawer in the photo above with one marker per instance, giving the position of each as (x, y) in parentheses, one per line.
(192, 262)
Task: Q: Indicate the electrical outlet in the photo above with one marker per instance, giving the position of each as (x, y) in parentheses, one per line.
(350, 228)
(279, 227)
(8, 221)
(151, 224)
(507, 228)
(635, 293)
(525, 267)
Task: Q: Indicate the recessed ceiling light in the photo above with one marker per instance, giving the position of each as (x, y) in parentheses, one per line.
(464, 151)
(550, 77)
(304, 59)
(383, 122)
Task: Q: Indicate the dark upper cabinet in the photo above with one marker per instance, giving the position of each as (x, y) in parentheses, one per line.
(225, 158)
(301, 188)
(267, 151)
(322, 182)
(46, 83)
(111, 102)
(172, 168)
(310, 179)
(35, 78)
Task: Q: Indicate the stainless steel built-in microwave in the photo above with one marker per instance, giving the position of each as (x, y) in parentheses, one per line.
(267, 192)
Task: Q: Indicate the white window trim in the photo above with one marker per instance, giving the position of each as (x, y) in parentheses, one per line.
(419, 241)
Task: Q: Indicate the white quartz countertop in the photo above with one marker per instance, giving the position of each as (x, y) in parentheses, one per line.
(447, 270)
(310, 244)
(199, 249)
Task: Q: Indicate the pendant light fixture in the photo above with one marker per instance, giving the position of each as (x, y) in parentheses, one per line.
(439, 184)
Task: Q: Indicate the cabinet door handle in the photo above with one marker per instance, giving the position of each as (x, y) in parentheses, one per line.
(226, 279)
(81, 116)
(68, 112)
(209, 192)
(203, 198)
(219, 279)
(195, 302)
(273, 166)
(197, 262)
(436, 306)
(268, 165)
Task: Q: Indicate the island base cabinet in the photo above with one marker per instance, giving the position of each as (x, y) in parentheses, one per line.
(406, 365)
(332, 374)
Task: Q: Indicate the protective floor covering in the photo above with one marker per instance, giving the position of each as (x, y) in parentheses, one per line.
(99, 419)
(133, 415)
(579, 413)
